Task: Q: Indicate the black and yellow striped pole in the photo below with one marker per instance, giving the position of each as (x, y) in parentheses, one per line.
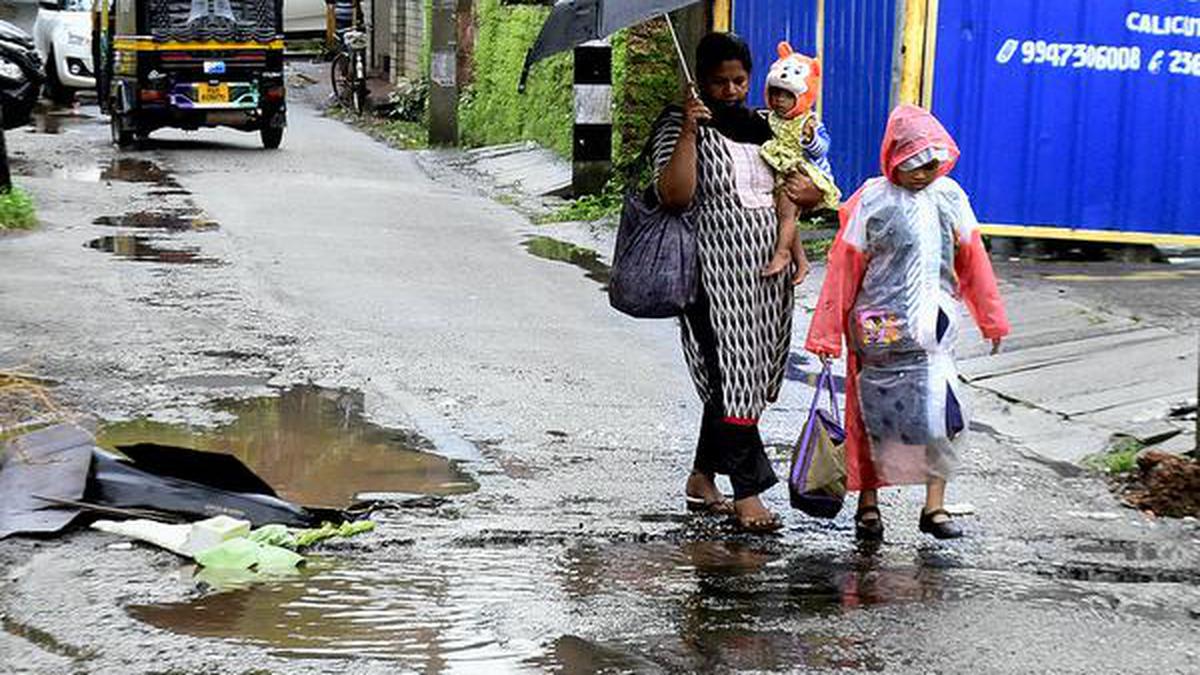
(591, 155)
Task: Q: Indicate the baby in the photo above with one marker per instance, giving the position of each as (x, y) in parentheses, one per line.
(801, 144)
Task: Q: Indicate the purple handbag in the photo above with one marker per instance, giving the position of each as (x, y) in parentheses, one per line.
(817, 481)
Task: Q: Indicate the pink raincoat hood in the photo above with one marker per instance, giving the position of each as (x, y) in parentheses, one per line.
(909, 131)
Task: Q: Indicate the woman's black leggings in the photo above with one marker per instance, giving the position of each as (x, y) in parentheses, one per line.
(733, 449)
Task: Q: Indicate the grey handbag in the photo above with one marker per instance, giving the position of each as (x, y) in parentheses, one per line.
(655, 274)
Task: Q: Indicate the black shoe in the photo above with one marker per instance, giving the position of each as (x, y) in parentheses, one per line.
(945, 529)
(870, 529)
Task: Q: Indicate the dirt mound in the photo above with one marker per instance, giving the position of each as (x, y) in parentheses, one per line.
(1168, 485)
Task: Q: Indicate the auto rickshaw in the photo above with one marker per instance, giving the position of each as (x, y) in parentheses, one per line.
(190, 64)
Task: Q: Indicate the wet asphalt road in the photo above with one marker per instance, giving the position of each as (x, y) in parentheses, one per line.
(338, 261)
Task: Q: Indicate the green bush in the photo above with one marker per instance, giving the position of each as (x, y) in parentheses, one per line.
(16, 210)
(491, 110)
(646, 79)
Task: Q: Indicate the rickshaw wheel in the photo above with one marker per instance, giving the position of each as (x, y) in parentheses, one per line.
(271, 137)
(122, 137)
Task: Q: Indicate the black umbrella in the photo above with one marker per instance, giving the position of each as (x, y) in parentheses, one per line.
(574, 22)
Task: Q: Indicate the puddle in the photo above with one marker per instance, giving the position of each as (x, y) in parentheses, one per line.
(312, 445)
(121, 169)
(549, 248)
(432, 613)
(175, 221)
(806, 369)
(691, 606)
(56, 120)
(145, 249)
(131, 170)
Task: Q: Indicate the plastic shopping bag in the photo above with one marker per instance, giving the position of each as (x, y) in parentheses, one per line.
(817, 480)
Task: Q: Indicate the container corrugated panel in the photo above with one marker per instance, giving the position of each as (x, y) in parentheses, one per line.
(1074, 113)
(857, 88)
(764, 23)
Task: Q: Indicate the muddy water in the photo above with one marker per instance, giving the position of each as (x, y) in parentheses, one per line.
(673, 606)
(56, 120)
(432, 613)
(148, 249)
(132, 170)
(588, 260)
(312, 445)
(176, 220)
(120, 169)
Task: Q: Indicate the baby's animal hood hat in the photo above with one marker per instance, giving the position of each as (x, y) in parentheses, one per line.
(798, 74)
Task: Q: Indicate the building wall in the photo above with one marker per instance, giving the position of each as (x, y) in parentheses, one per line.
(408, 18)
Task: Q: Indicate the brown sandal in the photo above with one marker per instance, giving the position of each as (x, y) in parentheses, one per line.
(718, 507)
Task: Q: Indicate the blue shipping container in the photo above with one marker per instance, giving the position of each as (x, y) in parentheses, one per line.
(1074, 113)
(764, 24)
(859, 72)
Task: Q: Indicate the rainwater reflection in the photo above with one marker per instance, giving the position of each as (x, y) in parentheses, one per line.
(588, 260)
(312, 445)
(148, 249)
(599, 606)
(432, 613)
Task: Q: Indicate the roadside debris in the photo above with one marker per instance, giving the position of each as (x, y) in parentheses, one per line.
(1167, 484)
(51, 476)
(224, 543)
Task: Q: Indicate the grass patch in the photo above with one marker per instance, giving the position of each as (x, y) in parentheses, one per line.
(399, 134)
(16, 210)
(1120, 458)
(589, 208)
(646, 79)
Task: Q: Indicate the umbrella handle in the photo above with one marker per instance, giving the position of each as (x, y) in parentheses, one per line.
(687, 73)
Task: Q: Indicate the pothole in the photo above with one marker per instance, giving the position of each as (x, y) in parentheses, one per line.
(311, 444)
(177, 221)
(132, 170)
(149, 249)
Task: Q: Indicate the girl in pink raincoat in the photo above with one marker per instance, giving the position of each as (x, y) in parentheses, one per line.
(908, 251)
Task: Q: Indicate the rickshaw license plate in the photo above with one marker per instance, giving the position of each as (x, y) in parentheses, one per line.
(212, 93)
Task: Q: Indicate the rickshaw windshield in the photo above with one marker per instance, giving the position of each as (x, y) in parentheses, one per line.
(222, 20)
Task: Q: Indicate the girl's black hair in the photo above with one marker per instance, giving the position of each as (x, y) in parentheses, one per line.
(717, 48)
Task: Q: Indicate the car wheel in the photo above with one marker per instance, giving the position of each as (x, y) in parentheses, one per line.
(55, 90)
(271, 137)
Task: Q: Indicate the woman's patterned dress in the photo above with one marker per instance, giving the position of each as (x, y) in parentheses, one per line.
(736, 340)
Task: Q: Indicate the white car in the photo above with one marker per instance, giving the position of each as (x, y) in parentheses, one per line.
(62, 34)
